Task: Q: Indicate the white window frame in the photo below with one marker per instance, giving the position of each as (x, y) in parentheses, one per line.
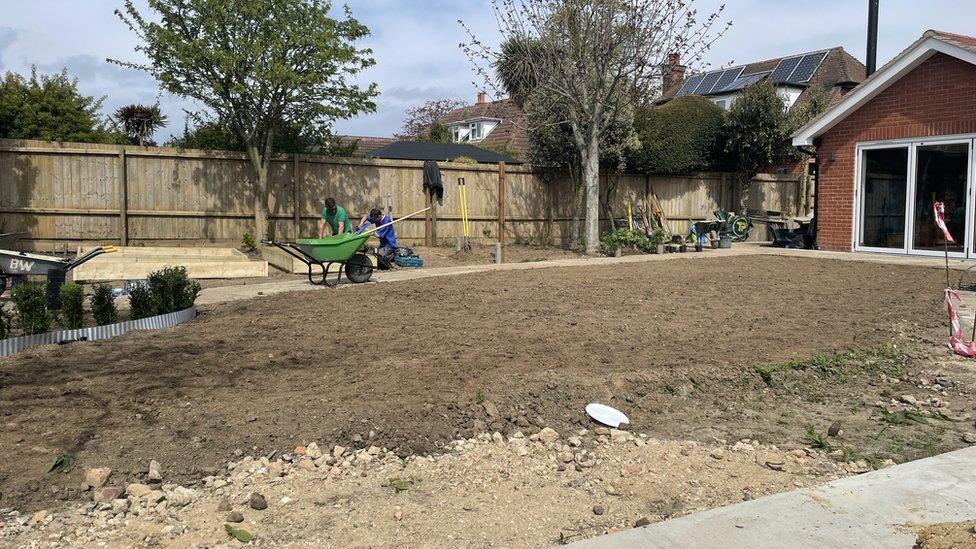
(912, 144)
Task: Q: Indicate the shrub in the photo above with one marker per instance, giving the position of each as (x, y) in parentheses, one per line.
(171, 290)
(30, 302)
(72, 306)
(141, 303)
(249, 243)
(5, 324)
(465, 160)
(103, 305)
(625, 238)
(678, 137)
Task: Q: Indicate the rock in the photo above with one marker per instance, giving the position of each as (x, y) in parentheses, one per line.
(285, 500)
(643, 521)
(565, 457)
(717, 453)
(155, 496)
(38, 518)
(601, 431)
(548, 435)
(313, 451)
(181, 496)
(258, 502)
(611, 490)
(338, 451)
(155, 473)
(97, 476)
(364, 458)
(398, 514)
(497, 438)
(106, 494)
(834, 429)
(120, 505)
(575, 441)
(374, 451)
(490, 409)
(598, 510)
(775, 465)
(799, 454)
(300, 450)
(137, 490)
(616, 435)
(909, 399)
(969, 438)
(235, 516)
(224, 505)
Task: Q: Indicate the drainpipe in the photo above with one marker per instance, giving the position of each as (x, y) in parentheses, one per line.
(871, 60)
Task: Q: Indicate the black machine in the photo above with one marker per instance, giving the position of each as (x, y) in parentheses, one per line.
(14, 265)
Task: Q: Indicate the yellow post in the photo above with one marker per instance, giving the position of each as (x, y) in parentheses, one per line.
(630, 216)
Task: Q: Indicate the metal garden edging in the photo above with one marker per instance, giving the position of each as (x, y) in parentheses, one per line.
(95, 333)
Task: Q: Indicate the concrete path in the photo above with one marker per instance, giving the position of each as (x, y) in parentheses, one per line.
(223, 294)
(877, 509)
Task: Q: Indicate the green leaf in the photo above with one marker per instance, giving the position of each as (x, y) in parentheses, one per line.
(62, 463)
(243, 536)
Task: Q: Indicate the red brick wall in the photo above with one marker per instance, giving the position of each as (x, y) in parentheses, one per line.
(937, 98)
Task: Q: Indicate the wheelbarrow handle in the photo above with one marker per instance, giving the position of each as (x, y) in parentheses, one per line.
(91, 254)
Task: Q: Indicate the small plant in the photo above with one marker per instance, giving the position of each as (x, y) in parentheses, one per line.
(30, 302)
(169, 290)
(903, 416)
(62, 463)
(249, 243)
(239, 534)
(103, 306)
(697, 383)
(399, 484)
(624, 239)
(465, 160)
(141, 303)
(5, 324)
(479, 397)
(72, 306)
(816, 439)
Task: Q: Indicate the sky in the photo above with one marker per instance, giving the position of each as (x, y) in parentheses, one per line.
(415, 44)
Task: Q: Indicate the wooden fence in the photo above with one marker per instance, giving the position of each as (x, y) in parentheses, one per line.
(70, 194)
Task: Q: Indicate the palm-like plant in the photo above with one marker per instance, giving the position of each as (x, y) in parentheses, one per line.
(139, 122)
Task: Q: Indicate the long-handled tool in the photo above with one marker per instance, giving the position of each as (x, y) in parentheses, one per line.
(465, 229)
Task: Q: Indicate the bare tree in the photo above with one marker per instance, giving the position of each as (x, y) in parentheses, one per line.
(418, 121)
(599, 59)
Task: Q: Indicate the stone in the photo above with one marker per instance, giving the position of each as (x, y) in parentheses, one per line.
(313, 451)
(235, 516)
(611, 490)
(258, 502)
(120, 505)
(601, 431)
(834, 429)
(155, 473)
(338, 451)
(617, 436)
(224, 505)
(641, 522)
(490, 409)
(575, 441)
(137, 490)
(181, 496)
(38, 518)
(969, 438)
(285, 500)
(374, 451)
(565, 457)
(300, 450)
(909, 399)
(398, 514)
(548, 435)
(155, 496)
(497, 438)
(598, 510)
(717, 453)
(106, 494)
(97, 477)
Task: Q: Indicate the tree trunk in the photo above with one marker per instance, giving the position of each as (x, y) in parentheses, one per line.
(744, 185)
(591, 182)
(260, 194)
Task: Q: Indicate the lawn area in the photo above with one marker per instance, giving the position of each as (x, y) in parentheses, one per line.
(770, 348)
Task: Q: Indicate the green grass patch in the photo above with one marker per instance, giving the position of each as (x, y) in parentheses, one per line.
(839, 366)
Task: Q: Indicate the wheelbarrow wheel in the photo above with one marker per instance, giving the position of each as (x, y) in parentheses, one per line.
(359, 269)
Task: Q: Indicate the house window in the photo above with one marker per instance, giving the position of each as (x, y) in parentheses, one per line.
(475, 131)
(721, 104)
(456, 132)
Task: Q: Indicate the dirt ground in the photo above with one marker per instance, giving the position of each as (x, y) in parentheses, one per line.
(952, 535)
(728, 348)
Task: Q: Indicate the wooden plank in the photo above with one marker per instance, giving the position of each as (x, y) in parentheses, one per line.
(501, 210)
(123, 200)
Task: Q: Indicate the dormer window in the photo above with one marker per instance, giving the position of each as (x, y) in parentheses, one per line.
(475, 131)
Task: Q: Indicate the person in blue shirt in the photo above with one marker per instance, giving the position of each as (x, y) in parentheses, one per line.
(387, 235)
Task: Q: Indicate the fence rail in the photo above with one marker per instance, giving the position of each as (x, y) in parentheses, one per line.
(69, 194)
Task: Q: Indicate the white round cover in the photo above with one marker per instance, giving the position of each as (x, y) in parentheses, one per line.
(606, 415)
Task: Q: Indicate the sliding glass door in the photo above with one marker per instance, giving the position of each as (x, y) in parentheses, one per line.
(898, 182)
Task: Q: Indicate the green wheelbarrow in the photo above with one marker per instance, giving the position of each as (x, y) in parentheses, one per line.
(319, 254)
(342, 249)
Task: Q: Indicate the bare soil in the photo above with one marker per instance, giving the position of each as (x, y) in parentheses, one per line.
(949, 535)
(409, 366)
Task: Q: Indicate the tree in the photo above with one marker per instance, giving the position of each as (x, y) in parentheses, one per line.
(212, 135)
(257, 66)
(51, 108)
(758, 127)
(139, 122)
(599, 59)
(678, 137)
(420, 122)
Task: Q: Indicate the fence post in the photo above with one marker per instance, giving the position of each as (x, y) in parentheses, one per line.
(501, 210)
(123, 199)
(296, 195)
(549, 213)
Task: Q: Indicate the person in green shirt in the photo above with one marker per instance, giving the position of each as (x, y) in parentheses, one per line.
(336, 217)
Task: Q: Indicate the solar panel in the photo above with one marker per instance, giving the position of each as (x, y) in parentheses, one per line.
(727, 78)
(744, 81)
(707, 82)
(804, 71)
(690, 84)
(784, 68)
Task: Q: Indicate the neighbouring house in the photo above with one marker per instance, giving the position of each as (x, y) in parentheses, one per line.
(365, 144)
(492, 124)
(833, 69)
(895, 144)
(439, 152)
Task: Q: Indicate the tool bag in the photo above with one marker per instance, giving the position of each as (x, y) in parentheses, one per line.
(406, 258)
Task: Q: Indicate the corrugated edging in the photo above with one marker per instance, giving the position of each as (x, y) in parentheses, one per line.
(17, 344)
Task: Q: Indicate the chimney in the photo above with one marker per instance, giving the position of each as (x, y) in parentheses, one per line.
(481, 98)
(673, 71)
(871, 60)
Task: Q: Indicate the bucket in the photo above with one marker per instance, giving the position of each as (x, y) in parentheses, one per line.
(725, 242)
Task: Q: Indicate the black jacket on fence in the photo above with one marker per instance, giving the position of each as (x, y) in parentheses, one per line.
(432, 181)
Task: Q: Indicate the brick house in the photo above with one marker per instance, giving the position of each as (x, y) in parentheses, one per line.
(895, 144)
(491, 124)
